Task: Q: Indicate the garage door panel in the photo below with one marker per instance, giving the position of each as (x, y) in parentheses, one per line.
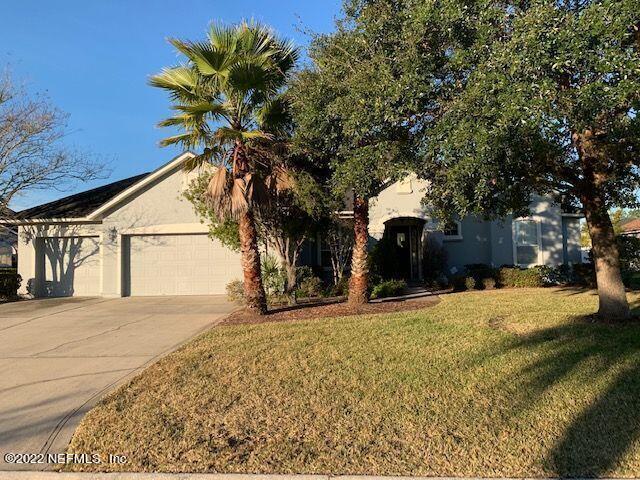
(71, 266)
(180, 265)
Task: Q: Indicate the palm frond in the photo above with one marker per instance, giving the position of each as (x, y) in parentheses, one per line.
(257, 192)
(246, 75)
(238, 197)
(280, 180)
(210, 156)
(223, 37)
(255, 39)
(205, 111)
(218, 193)
(180, 81)
(256, 135)
(207, 59)
(273, 115)
(187, 140)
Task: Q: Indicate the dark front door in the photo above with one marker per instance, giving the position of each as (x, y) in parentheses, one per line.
(401, 237)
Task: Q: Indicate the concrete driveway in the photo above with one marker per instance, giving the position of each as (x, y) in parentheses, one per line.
(58, 357)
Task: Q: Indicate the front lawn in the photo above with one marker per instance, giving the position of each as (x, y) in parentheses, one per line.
(502, 383)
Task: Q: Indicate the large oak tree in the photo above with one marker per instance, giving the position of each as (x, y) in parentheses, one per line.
(540, 97)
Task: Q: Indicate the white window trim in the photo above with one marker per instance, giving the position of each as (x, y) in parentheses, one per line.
(515, 245)
(453, 238)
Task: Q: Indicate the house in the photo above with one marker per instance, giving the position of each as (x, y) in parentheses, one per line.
(139, 236)
(631, 228)
(8, 242)
(549, 236)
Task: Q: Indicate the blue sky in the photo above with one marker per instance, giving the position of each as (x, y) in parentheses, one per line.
(93, 59)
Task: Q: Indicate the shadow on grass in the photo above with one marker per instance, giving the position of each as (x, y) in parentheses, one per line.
(602, 434)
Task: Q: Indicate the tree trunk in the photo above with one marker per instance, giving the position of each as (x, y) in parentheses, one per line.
(611, 292)
(255, 297)
(359, 282)
(290, 288)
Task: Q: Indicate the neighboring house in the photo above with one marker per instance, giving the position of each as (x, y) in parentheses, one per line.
(139, 236)
(631, 228)
(8, 242)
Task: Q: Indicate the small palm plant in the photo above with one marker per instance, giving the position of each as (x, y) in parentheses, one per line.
(229, 106)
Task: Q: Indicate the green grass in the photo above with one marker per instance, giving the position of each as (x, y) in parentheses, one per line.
(496, 383)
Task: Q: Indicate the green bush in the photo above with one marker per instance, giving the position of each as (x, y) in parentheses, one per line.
(434, 263)
(383, 258)
(488, 283)
(9, 283)
(520, 277)
(310, 287)
(459, 283)
(470, 283)
(388, 288)
(273, 278)
(302, 273)
(235, 291)
(341, 288)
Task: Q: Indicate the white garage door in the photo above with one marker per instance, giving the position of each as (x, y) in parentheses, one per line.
(71, 267)
(190, 264)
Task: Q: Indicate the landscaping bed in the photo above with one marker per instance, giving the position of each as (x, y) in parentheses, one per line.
(328, 308)
(501, 383)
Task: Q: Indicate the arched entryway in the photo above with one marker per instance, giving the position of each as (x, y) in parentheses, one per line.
(403, 235)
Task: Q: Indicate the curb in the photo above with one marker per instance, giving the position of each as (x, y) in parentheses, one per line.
(23, 475)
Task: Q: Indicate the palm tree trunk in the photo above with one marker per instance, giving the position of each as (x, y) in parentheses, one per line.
(359, 282)
(255, 297)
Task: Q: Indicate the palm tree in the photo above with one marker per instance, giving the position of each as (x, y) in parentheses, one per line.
(228, 100)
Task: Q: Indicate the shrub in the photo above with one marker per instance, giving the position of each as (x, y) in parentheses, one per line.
(584, 274)
(310, 287)
(302, 273)
(488, 283)
(383, 258)
(480, 271)
(459, 283)
(273, 278)
(388, 288)
(235, 291)
(434, 261)
(470, 283)
(629, 249)
(520, 277)
(341, 288)
(9, 283)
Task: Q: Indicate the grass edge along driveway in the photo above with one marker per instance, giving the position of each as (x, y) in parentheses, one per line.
(498, 383)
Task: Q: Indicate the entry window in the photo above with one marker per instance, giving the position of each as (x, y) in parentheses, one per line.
(401, 239)
(452, 230)
(527, 242)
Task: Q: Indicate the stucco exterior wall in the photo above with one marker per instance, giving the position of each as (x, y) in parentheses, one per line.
(571, 236)
(31, 259)
(401, 199)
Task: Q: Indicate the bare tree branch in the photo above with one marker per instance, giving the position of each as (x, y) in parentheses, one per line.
(33, 155)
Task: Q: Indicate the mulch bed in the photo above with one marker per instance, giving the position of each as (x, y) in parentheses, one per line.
(336, 308)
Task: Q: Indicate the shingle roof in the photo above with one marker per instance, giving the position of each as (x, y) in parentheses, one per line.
(79, 204)
(631, 226)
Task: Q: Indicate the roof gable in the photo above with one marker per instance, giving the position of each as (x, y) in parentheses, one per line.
(92, 204)
(80, 204)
